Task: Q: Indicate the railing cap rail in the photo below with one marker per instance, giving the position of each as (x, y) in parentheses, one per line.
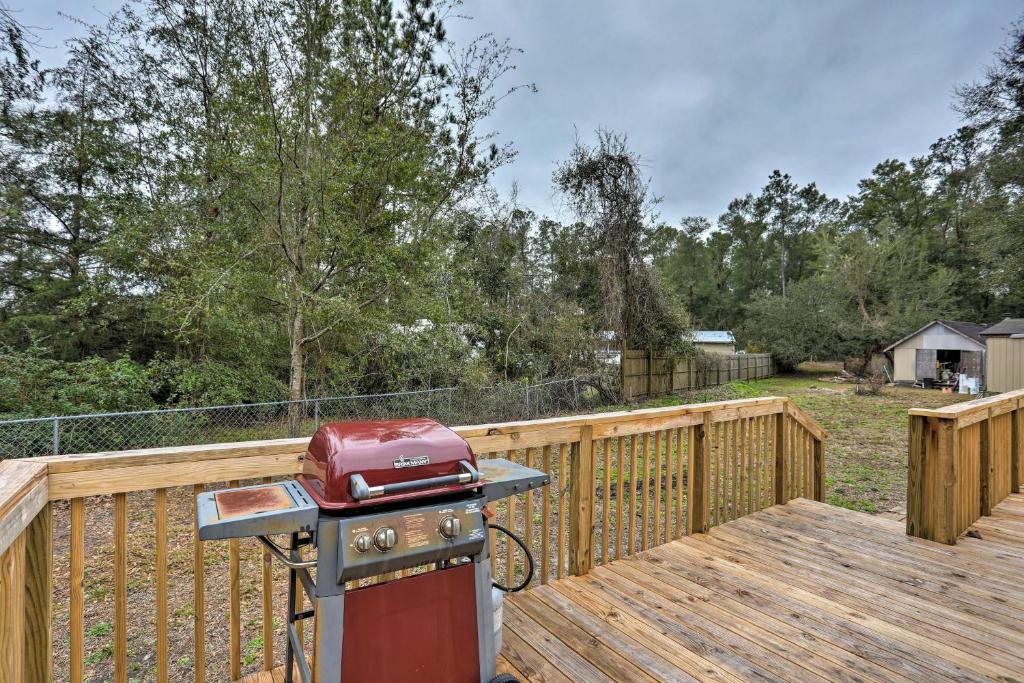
(23, 492)
(615, 416)
(968, 408)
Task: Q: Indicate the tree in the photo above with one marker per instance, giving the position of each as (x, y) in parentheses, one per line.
(605, 187)
(346, 143)
(69, 173)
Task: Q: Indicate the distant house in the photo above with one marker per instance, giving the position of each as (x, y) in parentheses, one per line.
(1004, 366)
(715, 341)
(938, 352)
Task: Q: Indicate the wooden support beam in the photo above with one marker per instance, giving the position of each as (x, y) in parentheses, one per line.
(581, 503)
(931, 478)
(12, 610)
(698, 505)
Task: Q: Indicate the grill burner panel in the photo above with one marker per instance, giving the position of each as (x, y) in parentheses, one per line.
(418, 538)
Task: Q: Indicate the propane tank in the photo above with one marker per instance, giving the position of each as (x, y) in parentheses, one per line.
(497, 600)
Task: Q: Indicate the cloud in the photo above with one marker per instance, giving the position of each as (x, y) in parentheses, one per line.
(717, 95)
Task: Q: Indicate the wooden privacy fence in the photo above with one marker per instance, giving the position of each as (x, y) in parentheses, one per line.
(621, 483)
(650, 373)
(963, 460)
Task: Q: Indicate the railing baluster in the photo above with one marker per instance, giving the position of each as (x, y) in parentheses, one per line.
(744, 457)
(658, 442)
(618, 497)
(160, 529)
(510, 522)
(121, 587)
(546, 519)
(267, 575)
(646, 497)
(669, 474)
(77, 609)
(606, 492)
(235, 604)
(528, 508)
(493, 537)
(563, 503)
(198, 599)
(680, 468)
(631, 547)
(734, 475)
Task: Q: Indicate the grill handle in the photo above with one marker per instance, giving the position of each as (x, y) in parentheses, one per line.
(361, 491)
(278, 552)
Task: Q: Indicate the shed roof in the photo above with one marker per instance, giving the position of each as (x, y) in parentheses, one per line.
(1006, 326)
(967, 330)
(713, 337)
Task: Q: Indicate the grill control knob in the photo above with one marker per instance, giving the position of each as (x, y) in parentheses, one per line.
(362, 543)
(450, 527)
(384, 538)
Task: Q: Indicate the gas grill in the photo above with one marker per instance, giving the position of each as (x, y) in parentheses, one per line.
(375, 498)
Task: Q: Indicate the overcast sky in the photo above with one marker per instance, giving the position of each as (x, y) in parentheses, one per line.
(715, 95)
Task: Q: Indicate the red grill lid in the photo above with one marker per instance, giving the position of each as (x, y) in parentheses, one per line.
(384, 452)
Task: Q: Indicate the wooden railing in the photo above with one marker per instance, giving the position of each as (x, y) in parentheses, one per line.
(620, 483)
(963, 460)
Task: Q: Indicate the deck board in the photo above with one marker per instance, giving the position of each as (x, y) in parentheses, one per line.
(800, 592)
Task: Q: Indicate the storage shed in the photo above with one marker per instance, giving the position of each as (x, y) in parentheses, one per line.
(1004, 365)
(938, 352)
(715, 341)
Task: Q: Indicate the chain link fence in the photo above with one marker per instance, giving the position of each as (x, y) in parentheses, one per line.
(218, 424)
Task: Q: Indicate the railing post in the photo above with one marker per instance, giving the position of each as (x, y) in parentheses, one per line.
(38, 643)
(819, 470)
(697, 479)
(581, 503)
(781, 470)
(12, 610)
(931, 479)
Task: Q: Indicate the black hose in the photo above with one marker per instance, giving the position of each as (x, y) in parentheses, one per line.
(529, 561)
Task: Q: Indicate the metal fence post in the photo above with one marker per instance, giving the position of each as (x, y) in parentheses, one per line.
(56, 436)
(527, 401)
(316, 415)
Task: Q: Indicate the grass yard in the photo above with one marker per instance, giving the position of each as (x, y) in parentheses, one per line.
(866, 453)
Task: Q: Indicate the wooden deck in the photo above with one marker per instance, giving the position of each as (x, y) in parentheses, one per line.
(800, 592)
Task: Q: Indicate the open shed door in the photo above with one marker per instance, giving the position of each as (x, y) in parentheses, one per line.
(971, 363)
(925, 367)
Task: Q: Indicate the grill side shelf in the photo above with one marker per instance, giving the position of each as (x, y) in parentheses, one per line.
(503, 478)
(262, 510)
